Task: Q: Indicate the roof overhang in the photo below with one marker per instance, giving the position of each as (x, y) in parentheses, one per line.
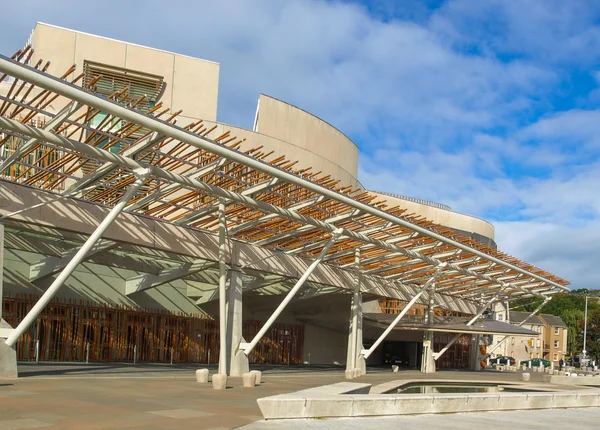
(268, 202)
(449, 325)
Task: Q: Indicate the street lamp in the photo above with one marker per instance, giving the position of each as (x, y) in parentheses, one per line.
(584, 331)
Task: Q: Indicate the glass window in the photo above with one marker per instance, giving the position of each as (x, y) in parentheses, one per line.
(537, 355)
(556, 331)
(555, 358)
(512, 340)
(537, 343)
(556, 343)
(500, 317)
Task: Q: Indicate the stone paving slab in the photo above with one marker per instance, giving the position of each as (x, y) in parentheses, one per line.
(89, 399)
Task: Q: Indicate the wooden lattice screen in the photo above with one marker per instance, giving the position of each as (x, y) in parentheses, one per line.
(66, 328)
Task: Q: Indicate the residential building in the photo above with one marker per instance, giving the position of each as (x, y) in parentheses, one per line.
(555, 338)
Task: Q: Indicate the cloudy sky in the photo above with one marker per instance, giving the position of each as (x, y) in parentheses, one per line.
(490, 107)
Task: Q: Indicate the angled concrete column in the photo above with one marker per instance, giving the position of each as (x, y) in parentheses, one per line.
(354, 358)
(427, 361)
(237, 361)
(8, 354)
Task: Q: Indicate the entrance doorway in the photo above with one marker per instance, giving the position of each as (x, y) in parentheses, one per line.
(403, 354)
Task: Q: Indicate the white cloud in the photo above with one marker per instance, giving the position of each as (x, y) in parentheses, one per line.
(444, 108)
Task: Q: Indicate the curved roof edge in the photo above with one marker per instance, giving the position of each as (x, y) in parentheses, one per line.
(311, 114)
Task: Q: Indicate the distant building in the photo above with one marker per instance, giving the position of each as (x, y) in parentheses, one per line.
(550, 344)
(555, 337)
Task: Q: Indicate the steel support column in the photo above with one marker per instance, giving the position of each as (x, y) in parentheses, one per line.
(437, 355)
(77, 258)
(366, 353)
(535, 311)
(355, 338)
(428, 361)
(248, 347)
(222, 289)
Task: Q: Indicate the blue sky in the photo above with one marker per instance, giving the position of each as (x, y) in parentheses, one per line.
(491, 107)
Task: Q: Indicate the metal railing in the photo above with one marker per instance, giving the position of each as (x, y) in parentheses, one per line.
(416, 200)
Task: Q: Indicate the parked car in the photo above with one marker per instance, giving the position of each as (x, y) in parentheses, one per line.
(504, 359)
(535, 362)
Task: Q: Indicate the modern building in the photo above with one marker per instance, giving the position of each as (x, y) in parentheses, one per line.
(265, 234)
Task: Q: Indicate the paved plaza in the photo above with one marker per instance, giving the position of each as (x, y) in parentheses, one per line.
(119, 396)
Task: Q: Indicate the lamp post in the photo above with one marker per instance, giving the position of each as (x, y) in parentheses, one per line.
(583, 352)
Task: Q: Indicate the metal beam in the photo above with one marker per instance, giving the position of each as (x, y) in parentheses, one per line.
(56, 121)
(437, 355)
(248, 347)
(211, 189)
(50, 265)
(73, 92)
(31, 316)
(535, 311)
(367, 352)
(147, 280)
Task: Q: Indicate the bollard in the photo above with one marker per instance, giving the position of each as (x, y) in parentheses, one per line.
(525, 377)
(258, 374)
(134, 353)
(202, 376)
(208, 361)
(249, 379)
(87, 353)
(37, 351)
(171, 355)
(219, 381)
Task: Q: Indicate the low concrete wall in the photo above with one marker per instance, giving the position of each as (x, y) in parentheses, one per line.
(331, 401)
(573, 380)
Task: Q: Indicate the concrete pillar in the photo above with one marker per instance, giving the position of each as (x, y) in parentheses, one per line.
(474, 352)
(8, 355)
(1, 269)
(237, 361)
(354, 359)
(427, 361)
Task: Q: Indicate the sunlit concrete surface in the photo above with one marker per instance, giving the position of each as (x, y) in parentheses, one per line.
(115, 395)
(541, 419)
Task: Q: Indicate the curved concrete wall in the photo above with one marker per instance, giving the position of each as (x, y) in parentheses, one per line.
(303, 156)
(301, 129)
(477, 228)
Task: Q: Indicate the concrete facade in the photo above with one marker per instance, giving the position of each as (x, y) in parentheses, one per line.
(191, 85)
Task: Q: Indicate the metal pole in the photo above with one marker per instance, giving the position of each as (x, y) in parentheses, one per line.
(77, 258)
(355, 299)
(171, 355)
(546, 300)
(248, 347)
(387, 331)
(73, 92)
(471, 322)
(583, 352)
(245, 200)
(37, 351)
(222, 289)
(134, 353)
(87, 352)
